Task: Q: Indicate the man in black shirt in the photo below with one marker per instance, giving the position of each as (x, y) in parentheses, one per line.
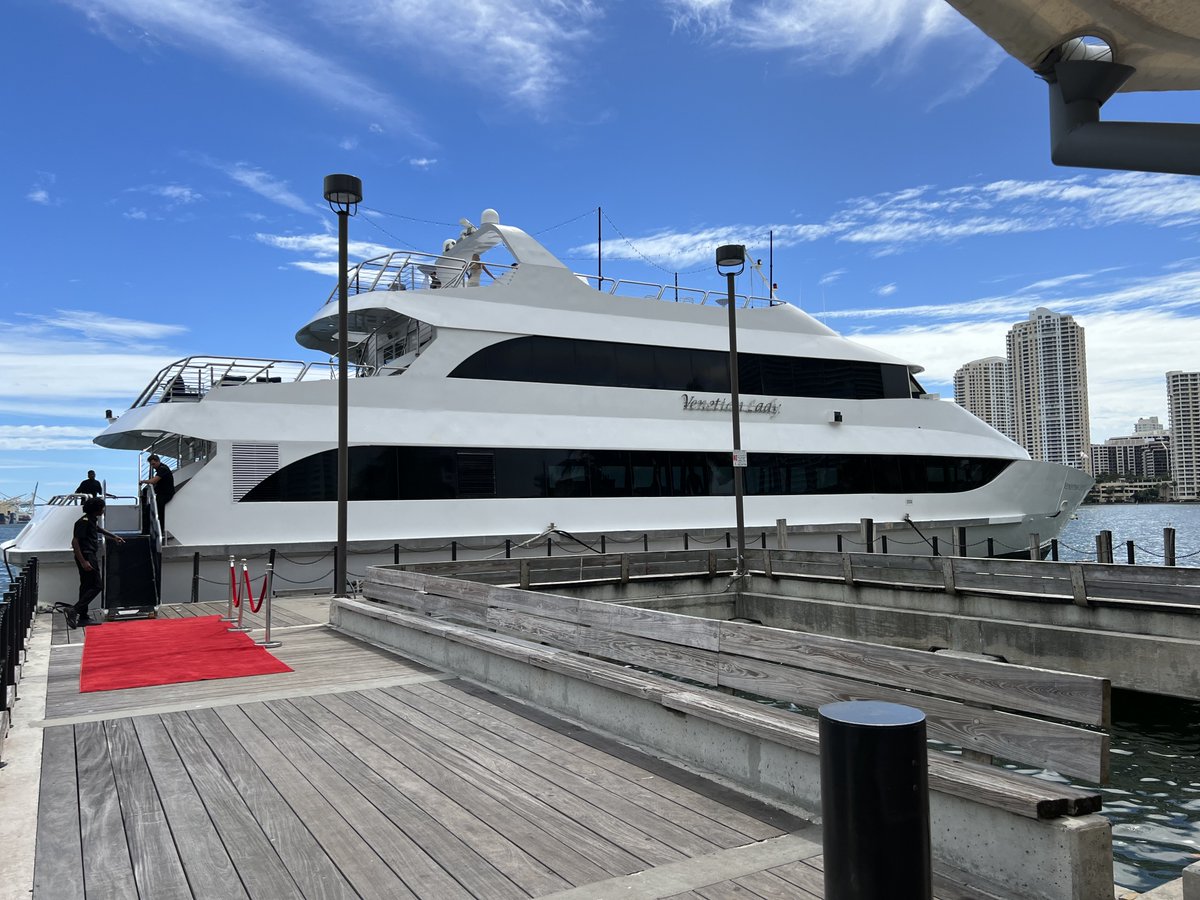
(90, 485)
(86, 544)
(163, 480)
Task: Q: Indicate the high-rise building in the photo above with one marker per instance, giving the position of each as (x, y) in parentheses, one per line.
(1135, 456)
(1047, 362)
(983, 388)
(1150, 427)
(1183, 401)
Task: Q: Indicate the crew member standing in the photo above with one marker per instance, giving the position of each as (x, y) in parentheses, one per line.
(163, 480)
(85, 542)
(90, 485)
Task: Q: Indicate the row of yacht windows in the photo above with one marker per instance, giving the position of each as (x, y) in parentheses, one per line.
(553, 360)
(432, 473)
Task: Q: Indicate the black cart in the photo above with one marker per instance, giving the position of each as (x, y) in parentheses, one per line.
(132, 578)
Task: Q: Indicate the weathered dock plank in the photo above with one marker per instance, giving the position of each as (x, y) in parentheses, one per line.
(525, 849)
(107, 868)
(717, 823)
(396, 826)
(58, 866)
(262, 872)
(210, 871)
(157, 868)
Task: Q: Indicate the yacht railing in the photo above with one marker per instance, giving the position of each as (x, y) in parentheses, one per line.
(649, 290)
(409, 271)
(191, 379)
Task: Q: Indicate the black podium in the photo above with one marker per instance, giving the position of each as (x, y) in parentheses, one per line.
(132, 578)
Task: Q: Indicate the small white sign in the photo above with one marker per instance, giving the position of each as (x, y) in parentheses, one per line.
(739, 458)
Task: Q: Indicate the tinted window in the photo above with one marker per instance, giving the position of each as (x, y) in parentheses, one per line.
(430, 473)
(604, 364)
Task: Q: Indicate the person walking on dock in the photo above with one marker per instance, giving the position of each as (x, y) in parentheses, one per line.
(85, 543)
(163, 480)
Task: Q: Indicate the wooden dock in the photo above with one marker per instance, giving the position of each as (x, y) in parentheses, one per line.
(362, 774)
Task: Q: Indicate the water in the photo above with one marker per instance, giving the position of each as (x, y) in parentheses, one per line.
(7, 533)
(1142, 523)
(1153, 800)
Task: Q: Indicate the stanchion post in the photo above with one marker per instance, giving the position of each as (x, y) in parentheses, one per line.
(242, 604)
(1035, 546)
(269, 590)
(875, 801)
(1168, 546)
(228, 617)
(195, 577)
(1129, 553)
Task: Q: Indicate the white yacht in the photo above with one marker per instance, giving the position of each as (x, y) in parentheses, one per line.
(495, 408)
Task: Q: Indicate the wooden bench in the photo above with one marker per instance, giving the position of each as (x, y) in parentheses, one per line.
(988, 709)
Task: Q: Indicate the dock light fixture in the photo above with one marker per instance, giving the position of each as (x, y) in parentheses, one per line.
(343, 193)
(731, 262)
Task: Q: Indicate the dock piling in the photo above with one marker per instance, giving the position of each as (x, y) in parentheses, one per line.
(875, 801)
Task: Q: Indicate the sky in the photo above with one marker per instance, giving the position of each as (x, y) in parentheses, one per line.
(163, 164)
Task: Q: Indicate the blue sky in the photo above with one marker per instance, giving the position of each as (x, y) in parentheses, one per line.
(164, 160)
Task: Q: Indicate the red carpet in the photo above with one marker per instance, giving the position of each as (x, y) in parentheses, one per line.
(119, 655)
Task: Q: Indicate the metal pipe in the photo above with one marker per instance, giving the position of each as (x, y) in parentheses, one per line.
(737, 428)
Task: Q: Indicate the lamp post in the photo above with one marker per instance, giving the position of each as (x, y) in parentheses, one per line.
(343, 193)
(731, 261)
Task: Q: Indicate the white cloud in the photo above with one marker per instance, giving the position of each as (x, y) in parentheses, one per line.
(178, 194)
(1120, 321)
(886, 290)
(135, 213)
(46, 437)
(521, 50)
(422, 163)
(241, 32)
(837, 32)
(264, 184)
(38, 195)
(348, 144)
(888, 223)
(322, 245)
(99, 327)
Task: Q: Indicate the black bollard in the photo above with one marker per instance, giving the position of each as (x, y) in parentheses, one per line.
(875, 801)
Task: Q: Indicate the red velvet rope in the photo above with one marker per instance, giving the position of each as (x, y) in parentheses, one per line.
(249, 589)
(233, 587)
(255, 607)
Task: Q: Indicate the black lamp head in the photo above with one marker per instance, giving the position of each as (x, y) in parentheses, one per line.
(343, 190)
(730, 256)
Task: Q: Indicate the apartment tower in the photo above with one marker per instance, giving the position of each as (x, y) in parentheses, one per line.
(984, 389)
(1047, 362)
(1183, 402)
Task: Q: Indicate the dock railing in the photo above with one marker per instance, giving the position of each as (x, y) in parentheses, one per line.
(1079, 583)
(16, 615)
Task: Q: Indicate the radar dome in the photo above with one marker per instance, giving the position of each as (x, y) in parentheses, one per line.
(489, 217)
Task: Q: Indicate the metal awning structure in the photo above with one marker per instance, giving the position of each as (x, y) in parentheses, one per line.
(1160, 39)
(1152, 45)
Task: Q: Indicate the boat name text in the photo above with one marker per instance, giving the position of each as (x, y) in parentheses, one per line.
(725, 404)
